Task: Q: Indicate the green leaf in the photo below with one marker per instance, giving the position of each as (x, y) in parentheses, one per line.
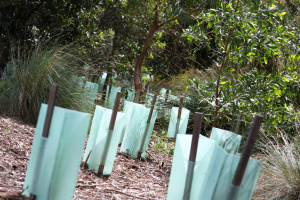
(285, 79)
(266, 60)
(228, 6)
(281, 14)
(222, 83)
(240, 61)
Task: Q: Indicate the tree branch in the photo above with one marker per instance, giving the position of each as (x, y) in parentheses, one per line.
(222, 66)
(199, 8)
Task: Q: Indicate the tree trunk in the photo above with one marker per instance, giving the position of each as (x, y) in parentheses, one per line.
(139, 62)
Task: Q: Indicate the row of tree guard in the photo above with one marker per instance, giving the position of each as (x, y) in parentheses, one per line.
(60, 137)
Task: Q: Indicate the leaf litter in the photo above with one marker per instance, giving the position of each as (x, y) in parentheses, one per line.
(130, 179)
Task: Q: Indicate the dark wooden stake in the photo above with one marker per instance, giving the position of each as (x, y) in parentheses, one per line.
(147, 126)
(239, 173)
(196, 132)
(179, 116)
(84, 164)
(50, 108)
(167, 94)
(45, 133)
(111, 128)
(193, 154)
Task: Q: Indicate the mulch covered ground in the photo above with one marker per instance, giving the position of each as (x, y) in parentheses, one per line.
(130, 178)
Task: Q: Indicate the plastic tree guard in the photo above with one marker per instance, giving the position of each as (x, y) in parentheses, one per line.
(110, 98)
(213, 172)
(136, 117)
(98, 137)
(62, 154)
(208, 155)
(102, 81)
(226, 139)
(91, 90)
(131, 94)
(139, 138)
(173, 121)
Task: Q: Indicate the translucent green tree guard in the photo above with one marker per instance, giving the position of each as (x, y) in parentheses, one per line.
(136, 117)
(128, 111)
(62, 154)
(173, 120)
(91, 90)
(208, 155)
(226, 139)
(131, 94)
(80, 80)
(110, 98)
(213, 173)
(102, 81)
(139, 137)
(221, 189)
(98, 137)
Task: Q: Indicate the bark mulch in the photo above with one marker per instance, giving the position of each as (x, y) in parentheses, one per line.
(130, 178)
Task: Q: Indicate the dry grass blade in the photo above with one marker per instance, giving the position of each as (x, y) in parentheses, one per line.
(280, 175)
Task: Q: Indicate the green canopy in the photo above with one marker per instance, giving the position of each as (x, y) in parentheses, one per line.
(62, 150)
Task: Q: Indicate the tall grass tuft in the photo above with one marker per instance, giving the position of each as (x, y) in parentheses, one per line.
(280, 175)
(33, 73)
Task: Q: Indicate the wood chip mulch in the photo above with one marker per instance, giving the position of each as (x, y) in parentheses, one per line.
(130, 178)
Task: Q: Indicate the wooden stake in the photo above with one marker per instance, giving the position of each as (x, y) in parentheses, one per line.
(193, 154)
(45, 133)
(179, 116)
(239, 173)
(196, 132)
(147, 126)
(167, 94)
(50, 108)
(111, 128)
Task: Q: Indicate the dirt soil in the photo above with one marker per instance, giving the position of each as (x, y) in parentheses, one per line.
(130, 178)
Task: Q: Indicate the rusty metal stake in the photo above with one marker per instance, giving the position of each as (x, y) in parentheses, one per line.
(193, 154)
(45, 134)
(110, 132)
(147, 127)
(179, 116)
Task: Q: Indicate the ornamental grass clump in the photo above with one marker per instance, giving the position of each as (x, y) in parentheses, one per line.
(33, 73)
(280, 175)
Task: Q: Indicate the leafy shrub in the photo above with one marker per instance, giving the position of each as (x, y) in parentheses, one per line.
(274, 96)
(34, 71)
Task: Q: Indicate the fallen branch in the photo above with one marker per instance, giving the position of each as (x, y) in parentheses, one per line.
(112, 190)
